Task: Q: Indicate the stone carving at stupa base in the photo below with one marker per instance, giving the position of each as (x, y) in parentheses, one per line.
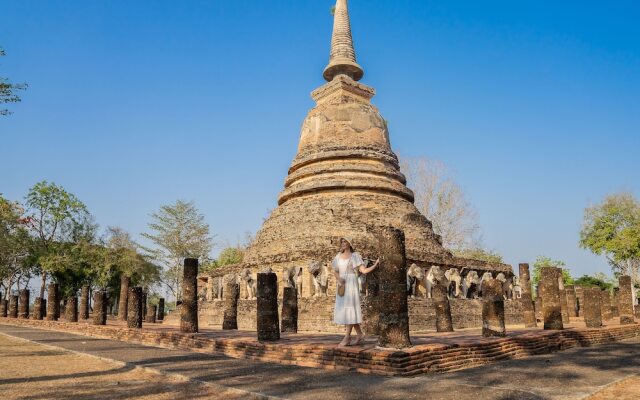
(344, 178)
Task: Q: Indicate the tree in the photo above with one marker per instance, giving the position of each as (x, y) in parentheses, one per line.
(178, 231)
(8, 90)
(439, 198)
(479, 254)
(53, 214)
(543, 261)
(124, 257)
(14, 246)
(612, 229)
(592, 281)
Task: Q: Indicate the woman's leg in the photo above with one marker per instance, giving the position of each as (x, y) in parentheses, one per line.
(358, 330)
(347, 336)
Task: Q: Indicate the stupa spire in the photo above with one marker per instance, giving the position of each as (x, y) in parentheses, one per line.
(343, 57)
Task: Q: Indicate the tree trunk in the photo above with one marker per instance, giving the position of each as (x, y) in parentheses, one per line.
(125, 281)
(44, 283)
(189, 307)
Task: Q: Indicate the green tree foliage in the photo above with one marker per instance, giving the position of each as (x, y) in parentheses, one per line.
(479, 254)
(543, 261)
(14, 246)
(612, 229)
(8, 90)
(178, 231)
(592, 281)
(54, 216)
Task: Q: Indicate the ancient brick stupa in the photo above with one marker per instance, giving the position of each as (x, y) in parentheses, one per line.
(344, 177)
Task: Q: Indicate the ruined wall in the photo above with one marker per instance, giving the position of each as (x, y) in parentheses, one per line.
(316, 314)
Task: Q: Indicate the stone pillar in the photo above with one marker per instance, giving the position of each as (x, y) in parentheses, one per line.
(144, 304)
(580, 300)
(84, 302)
(564, 308)
(267, 321)
(4, 308)
(614, 303)
(38, 308)
(552, 311)
(571, 301)
(134, 307)
(150, 318)
(53, 302)
(444, 322)
(189, 307)
(592, 311)
(290, 310)
(71, 310)
(231, 295)
(493, 309)
(625, 300)
(160, 309)
(23, 304)
(605, 305)
(125, 282)
(100, 307)
(13, 306)
(526, 300)
(394, 308)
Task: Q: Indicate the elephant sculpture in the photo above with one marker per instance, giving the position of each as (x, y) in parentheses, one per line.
(250, 284)
(293, 278)
(517, 289)
(507, 286)
(435, 276)
(485, 277)
(415, 278)
(455, 280)
(470, 285)
(320, 278)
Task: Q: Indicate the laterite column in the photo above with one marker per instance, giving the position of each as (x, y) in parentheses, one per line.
(564, 308)
(268, 323)
(71, 310)
(444, 322)
(134, 307)
(150, 318)
(571, 301)
(580, 300)
(394, 309)
(100, 307)
(23, 304)
(53, 302)
(526, 299)
(13, 306)
(493, 309)
(84, 302)
(605, 305)
(4, 308)
(125, 282)
(189, 307)
(625, 300)
(290, 310)
(552, 311)
(38, 308)
(160, 309)
(592, 311)
(231, 295)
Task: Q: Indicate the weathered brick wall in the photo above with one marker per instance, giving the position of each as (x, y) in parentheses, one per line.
(316, 314)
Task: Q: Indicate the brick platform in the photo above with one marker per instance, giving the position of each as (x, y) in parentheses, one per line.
(436, 352)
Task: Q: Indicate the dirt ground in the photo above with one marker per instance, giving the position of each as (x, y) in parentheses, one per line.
(33, 371)
(627, 389)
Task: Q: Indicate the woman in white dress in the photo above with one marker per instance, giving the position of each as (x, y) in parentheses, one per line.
(347, 312)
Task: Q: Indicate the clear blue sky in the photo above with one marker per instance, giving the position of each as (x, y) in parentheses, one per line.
(132, 104)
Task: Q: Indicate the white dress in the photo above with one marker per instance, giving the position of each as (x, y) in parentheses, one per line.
(347, 310)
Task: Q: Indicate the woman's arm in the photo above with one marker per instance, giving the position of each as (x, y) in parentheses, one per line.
(364, 270)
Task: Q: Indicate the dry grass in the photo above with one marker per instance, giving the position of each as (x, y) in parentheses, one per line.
(627, 389)
(33, 371)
